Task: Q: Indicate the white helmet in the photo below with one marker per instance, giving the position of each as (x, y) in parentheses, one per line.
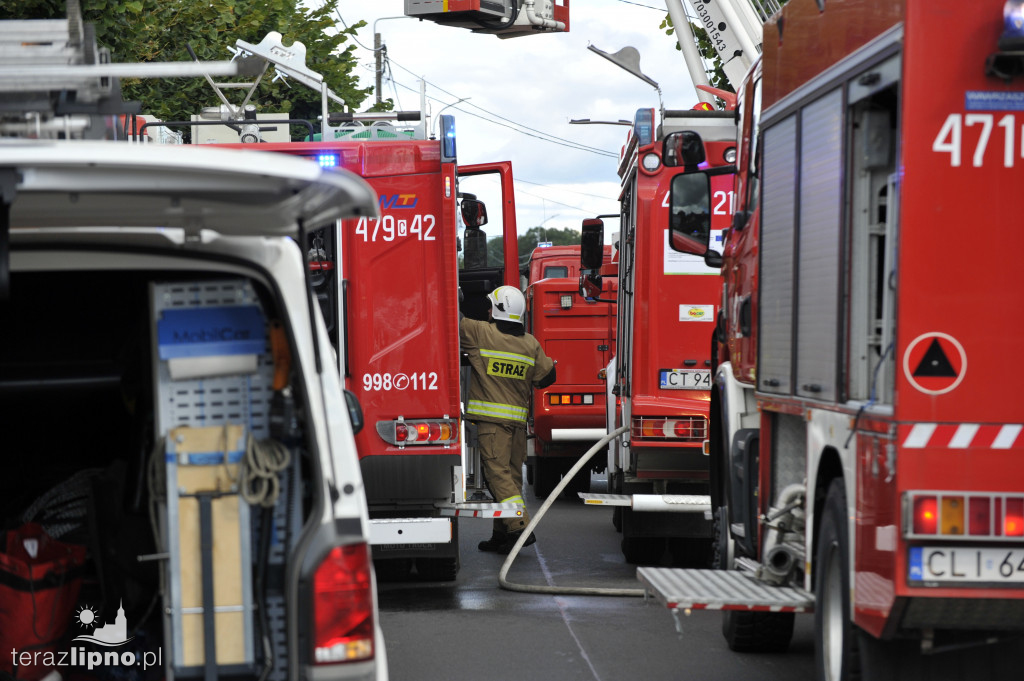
(508, 303)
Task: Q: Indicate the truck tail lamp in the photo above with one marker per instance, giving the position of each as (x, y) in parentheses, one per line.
(444, 431)
(343, 606)
(988, 516)
(683, 428)
(561, 399)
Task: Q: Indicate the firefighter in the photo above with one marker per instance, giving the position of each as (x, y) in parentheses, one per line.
(507, 363)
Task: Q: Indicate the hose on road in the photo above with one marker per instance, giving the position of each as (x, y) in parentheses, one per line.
(562, 590)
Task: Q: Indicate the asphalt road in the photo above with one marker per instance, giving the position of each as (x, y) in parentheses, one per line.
(473, 629)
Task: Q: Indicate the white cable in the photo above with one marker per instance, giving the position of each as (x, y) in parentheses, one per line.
(264, 459)
(562, 590)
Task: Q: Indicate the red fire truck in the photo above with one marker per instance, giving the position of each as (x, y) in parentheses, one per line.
(569, 417)
(389, 288)
(667, 302)
(864, 432)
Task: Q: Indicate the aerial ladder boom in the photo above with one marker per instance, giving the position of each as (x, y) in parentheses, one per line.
(734, 28)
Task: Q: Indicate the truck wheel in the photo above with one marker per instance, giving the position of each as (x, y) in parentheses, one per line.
(545, 476)
(438, 569)
(393, 569)
(836, 656)
(721, 551)
(747, 632)
(643, 550)
(757, 632)
(580, 483)
(690, 552)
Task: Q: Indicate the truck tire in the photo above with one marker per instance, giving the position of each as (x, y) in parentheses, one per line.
(836, 657)
(615, 487)
(393, 569)
(643, 550)
(580, 483)
(546, 475)
(748, 632)
(438, 569)
(690, 552)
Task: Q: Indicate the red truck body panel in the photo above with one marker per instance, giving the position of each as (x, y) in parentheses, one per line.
(580, 338)
(955, 427)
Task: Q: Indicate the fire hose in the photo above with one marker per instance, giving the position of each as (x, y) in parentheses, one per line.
(561, 590)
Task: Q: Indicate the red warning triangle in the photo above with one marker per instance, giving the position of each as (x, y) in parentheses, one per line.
(935, 363)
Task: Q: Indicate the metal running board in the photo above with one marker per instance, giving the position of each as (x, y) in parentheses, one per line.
(685, 589)
(606, 499)
(481, 509)
(675, 503)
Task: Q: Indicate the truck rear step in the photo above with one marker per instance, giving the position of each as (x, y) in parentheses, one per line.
(676, 503)
(429, 530)
(687, 589)
(481, 509)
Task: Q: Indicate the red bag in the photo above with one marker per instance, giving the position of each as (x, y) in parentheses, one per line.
(39, 582)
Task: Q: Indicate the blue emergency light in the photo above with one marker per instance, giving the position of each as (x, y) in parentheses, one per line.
(1013, 26)
(447, 138)
(327, 160)
(643, 126)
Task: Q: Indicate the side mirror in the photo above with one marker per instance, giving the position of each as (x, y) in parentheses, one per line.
(474, 213)
(592, 244)
(683, 148)
(355, 411)
(475, 255)
(592, 260)
(689, 219)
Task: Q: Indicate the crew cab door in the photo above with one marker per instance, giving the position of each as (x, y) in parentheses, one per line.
(489, 252)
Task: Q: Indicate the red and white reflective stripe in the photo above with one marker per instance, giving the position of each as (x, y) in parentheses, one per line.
(961, 436)
(487, 514)
(737, 606)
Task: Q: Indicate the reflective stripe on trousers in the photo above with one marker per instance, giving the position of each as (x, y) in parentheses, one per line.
(497, 410)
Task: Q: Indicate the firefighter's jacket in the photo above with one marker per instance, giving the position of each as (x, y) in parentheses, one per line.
(506, 368)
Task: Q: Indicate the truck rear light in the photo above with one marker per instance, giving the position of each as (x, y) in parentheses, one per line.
(976, 516)
(952, 515)
(566, 302)
(926, 515)
(443, 431)
(684, 428)
(343, 606)
(1013, 522)
(980, 522)
(559, 399)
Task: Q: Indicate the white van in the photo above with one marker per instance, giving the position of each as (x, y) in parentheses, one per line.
(179, 486)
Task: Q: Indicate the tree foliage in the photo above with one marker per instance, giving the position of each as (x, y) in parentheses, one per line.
(716, 75)
(557, 237)
(159, 30)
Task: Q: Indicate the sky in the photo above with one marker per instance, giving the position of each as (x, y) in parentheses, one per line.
(534, 81)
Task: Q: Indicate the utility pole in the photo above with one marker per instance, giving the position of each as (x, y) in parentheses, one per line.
(378, 50)
(379, 68)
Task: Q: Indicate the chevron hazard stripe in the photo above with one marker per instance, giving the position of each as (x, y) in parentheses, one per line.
(961, 436)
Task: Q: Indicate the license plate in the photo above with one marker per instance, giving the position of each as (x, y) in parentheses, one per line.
(685, 379)
(966, 564)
